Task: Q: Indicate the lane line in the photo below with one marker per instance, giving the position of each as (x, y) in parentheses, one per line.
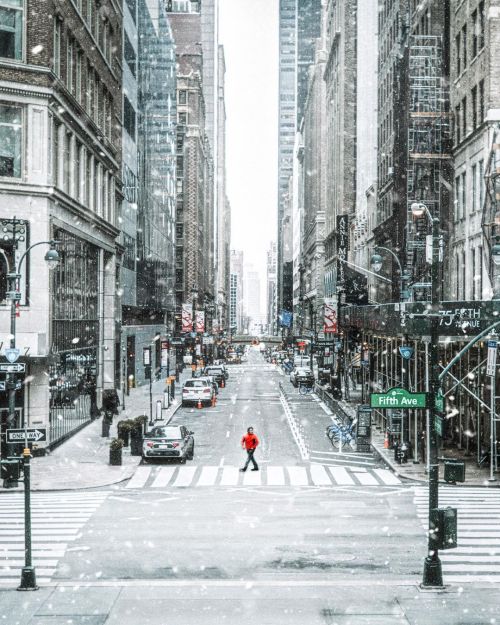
(139, 478)
(163, 477)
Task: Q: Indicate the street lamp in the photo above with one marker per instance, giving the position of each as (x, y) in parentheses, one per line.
(28, 575)
(495, 251)
(433, 575)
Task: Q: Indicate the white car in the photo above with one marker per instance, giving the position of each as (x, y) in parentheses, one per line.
(197, 390)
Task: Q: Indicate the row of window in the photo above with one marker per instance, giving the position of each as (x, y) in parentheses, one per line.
(475, 193)
(77, 172)
(465, 122)
(473, 44)
(81, 79)
(472, 288)
(98, 25)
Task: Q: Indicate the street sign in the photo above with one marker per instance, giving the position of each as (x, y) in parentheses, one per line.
(439, 401)
(3, 384)
(35, 435)
(398, 398)
(406, 352)
(177, 340)
(12, 354)
(438, 425)
(492, 358)
(16, 367)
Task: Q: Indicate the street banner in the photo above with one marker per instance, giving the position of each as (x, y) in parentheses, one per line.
(342, 237)
(187, 317)
(164, 353)
(200, 321)
(330, 325)
(286, 319)
(492, 358)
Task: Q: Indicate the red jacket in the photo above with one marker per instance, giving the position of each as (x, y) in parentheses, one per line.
(249, 441)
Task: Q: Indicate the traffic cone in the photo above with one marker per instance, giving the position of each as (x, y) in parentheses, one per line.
(199, 404)
(386, 440)
(222, 383)
(214, 401)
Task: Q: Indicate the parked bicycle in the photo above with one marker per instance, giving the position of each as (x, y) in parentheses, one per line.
(305, 389)
(341, 434)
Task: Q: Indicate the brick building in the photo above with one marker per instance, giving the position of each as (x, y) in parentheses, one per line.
(60, 172)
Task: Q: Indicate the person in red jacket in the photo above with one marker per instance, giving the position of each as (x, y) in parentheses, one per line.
(250, 443)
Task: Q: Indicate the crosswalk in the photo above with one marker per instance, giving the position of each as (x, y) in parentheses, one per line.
(296, 476)
(56, 520)
(477, 557)
(345, 458)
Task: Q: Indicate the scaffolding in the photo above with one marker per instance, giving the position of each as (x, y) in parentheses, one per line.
(428, 150)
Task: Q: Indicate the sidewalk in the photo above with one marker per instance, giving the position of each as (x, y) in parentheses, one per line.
(83, 460)
(474, 476)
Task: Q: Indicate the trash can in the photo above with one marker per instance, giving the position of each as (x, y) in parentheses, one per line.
(454, 471)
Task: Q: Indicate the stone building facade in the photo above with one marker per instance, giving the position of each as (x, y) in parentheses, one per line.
(60, 172)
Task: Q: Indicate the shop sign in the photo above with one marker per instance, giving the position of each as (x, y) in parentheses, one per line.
(398, 398)
(342, 249)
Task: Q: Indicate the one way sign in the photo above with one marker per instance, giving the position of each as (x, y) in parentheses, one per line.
(35, 435)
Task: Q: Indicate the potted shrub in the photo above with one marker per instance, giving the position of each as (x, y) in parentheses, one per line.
(115, 452)
(136, 435)
(107, 421)
(124, 427)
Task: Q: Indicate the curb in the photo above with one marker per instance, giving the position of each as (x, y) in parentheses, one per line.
(106, 485)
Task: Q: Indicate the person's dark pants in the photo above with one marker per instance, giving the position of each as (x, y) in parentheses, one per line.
(250, 458)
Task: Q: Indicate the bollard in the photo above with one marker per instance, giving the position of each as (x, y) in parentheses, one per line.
(158, 410)
(166, 399)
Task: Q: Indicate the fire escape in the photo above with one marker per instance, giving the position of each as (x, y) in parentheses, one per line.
(428, 153)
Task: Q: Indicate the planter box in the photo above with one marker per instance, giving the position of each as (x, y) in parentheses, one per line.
(115, 457)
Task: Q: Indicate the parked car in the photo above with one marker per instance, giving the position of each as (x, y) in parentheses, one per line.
(171, 441)
(212, 381)
(233, 358)
(301, 375)
(195, 390)
(219, 372)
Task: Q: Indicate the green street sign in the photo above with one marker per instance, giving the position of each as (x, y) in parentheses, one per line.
(439, 401)
(398, 398)
(438, 425)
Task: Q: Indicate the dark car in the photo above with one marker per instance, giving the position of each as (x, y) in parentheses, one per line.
(301, 375)
(218, 372)
(168, 441)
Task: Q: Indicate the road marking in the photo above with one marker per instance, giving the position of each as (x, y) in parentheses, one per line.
(185, 477)
(298, 476)
(163, 477)
(208, 476)
(221, 463)
(366, 478)
(387, 476)
(252, 478)
(139, 478)
(319, 475)
(341, 476)
(275, 476)
(228, 433)
(230, 476)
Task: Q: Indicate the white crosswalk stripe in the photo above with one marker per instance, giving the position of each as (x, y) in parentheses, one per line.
(477, 557)
(57, 519)
(297, 476)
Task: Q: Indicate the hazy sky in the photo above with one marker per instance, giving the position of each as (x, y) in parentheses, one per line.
(249, 33)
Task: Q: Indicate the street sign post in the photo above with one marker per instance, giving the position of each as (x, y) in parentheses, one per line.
(34, 435)
(398, 398)
(492, 358)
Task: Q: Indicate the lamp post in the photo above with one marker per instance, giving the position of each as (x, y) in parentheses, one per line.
(432, 575)
(28, 575)
(194, 295)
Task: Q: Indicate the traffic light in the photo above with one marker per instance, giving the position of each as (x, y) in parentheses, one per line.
(444, 524)
(10, 472)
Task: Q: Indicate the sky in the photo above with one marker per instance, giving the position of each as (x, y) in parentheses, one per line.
(249, 33)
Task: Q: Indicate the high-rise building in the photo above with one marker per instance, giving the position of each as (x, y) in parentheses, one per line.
(236, 295)
(148, 226)
(251, 288)
(271, 289)
(60, 178)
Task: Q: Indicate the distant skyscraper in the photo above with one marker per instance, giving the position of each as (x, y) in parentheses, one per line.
(271, 289)
(236, 292)
(252, 296)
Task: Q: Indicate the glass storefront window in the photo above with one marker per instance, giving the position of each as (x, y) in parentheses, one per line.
(11, 29)
(10, 140)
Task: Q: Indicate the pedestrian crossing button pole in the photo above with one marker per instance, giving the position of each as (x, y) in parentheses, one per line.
(28, 574)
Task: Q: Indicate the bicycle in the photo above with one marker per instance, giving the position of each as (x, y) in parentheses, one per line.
(341, 435)
(305, 389)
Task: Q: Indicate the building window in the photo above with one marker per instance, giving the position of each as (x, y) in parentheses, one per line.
(481, 25)
(182, 119)
(10, 141)
(458, 54)
(473, 95)
(78, 76)
(464, 273)
(132, 7)
(182, 96)
(480, 270)
(464, 117)
(130, 55)
(57, 45)
(78, 171)
(89, 90)
(457, 124)
(464, 46)
(67, 160)
(475, 33)
(481, 101)
(480, 172)
(70, 54)
(129, 116)
(473, 207)
(11, 29)
(457, 275)
(463, 189)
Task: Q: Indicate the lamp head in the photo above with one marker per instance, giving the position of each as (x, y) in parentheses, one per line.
(52, 258)
(376, 262)
(418, 209)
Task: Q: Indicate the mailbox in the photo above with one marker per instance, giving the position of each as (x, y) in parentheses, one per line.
(444, 527)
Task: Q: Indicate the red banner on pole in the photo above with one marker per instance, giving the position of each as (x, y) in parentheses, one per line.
(187, 317)
(330, 325)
